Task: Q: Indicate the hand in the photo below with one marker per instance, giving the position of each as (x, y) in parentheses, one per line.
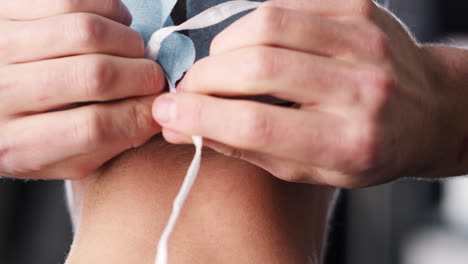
(55, 55)
(369, 104)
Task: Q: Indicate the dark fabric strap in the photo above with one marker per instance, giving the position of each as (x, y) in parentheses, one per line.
(179, 14)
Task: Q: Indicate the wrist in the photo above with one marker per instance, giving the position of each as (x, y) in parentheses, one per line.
(449, 70)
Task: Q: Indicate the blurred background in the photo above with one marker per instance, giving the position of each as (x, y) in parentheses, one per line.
(406, 222)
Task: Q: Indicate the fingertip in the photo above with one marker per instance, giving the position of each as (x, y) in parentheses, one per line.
(156, 76)
(164, 108)
(186, 84)
(197, 76)
(125, 16)
(163, 97)
(175, 137)
(139, 44)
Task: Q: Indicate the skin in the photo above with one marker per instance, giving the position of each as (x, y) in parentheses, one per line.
(371, 104)
(75, 90)
(236, 212)
(70, 87)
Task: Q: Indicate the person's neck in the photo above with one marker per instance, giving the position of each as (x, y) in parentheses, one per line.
(236, 213)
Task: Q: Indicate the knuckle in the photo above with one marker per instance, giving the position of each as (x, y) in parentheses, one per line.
(256, 129)
(262, 65)
(364, 8)
(377, 41)
(89, 30)
(111, 6)
(99, 75)
(142, 124)
(90, 130)
(153, 76)
(361, 148)
(270, 20)
(377, 85)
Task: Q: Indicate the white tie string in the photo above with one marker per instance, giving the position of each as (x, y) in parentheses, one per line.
(207, 18)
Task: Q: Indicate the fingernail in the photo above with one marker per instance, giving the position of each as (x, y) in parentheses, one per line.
(165, 110)
(125, 15)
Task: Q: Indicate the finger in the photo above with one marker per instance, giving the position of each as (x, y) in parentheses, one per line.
(327, 7)
(288, 75)
(296, 30)
(283, 169)
(36, 142)
(67, 35)
(75, 168)
(176, 137)
(292, 171)
(288, 170)
(46, 85)
(78, 167)
(33, 9)
(308, 137)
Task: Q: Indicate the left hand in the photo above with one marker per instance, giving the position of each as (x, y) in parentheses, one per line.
(368, 106)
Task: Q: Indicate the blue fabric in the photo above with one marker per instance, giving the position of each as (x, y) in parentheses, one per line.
(202, 38)
(176, 56)
(149, 15)
(178, 52)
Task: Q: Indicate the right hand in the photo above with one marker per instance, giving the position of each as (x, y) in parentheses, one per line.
(55, 55)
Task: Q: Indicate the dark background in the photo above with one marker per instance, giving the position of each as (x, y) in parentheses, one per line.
(370, 225)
